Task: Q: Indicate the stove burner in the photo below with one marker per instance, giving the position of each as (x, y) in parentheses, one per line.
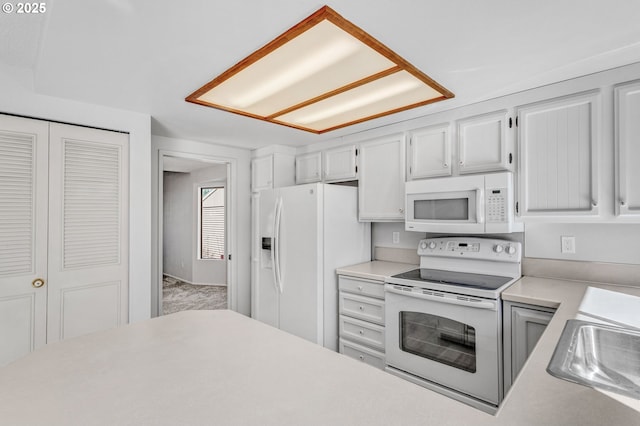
(458, 279)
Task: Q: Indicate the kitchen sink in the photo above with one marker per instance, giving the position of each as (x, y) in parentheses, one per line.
(600, 356)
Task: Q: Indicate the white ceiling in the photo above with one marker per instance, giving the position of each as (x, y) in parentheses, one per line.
(148, 55)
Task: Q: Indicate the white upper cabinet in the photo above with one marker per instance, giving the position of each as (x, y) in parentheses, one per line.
(309, 168)
(628, 148)
(262, 173)
(381, 179)
(272, 171)
(558, 156)
(430, 152)
(340, 164)
(484, 143)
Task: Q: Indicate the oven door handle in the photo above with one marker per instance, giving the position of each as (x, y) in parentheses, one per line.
(452, 300)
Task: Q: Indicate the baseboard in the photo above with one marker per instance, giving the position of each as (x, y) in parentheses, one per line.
(189, 282)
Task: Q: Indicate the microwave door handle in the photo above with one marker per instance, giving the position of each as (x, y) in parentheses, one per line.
(480, 205)
(484, 304)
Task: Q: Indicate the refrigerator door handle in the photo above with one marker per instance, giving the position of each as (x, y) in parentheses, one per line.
(276, 245)
(273, 246)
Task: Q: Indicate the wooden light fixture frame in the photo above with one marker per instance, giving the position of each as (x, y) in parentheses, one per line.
(332, 16)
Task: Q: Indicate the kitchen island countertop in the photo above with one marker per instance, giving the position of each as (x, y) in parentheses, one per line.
(219, 367)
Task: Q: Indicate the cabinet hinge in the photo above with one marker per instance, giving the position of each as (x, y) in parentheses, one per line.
(229, 256)
(510, 122)
(517, 207)
(516, 121)
(356, 169)
(510, 158)
(356, 152)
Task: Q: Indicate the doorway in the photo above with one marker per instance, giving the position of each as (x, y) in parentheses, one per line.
(194, 227)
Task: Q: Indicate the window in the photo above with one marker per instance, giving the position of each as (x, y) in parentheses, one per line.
(212, 222)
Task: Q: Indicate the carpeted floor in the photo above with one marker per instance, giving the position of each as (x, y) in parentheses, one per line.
(179, 296)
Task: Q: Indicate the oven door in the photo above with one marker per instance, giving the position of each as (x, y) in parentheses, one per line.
(445, 339)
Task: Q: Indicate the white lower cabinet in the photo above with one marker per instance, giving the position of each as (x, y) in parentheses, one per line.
(361, 320)
(362, 353)
(371, 334)
(523, 326)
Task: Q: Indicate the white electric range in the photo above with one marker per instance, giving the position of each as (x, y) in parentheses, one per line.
(444, 320)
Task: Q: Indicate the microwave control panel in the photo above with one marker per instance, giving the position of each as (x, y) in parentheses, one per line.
(496, 208)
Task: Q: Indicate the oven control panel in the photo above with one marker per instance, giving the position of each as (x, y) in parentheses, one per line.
(470, 247)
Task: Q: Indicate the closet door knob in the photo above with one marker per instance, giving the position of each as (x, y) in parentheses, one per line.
(37, 283)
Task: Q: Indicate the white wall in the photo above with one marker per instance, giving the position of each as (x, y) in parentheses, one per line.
(382, 236)
(177, 254)
(239, 194)
(595, 242)
(18, 97)
(180, 227)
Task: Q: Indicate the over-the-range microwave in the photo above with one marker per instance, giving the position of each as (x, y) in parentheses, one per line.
(475, 204)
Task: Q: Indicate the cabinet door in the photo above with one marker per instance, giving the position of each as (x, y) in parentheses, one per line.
(88, 286)
(430, 152)
(382, 177)
(340, 164)
(262, 173)
(527, 326)
(484, 143)
(309, 168)
(23, 235)
(628, 148)
(558, 156)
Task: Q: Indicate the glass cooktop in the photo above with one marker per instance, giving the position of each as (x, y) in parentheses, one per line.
(463, 279)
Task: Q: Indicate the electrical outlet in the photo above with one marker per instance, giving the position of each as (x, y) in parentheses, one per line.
(567, 244)
(396, 238)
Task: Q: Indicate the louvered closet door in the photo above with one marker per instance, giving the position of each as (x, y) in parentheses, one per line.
(23, 235)
(88, 231)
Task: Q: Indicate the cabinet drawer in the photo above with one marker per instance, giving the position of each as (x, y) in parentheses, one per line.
(364, 354)
(363, 287)
(361, 307)
(362, 332)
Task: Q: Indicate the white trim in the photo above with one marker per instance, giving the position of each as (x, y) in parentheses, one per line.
(232, 231)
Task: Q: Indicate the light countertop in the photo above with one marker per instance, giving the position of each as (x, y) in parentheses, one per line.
(376, 270)
(219, 367)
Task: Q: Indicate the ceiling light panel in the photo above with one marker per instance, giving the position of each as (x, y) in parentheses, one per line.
(379, 97)
(322, 74)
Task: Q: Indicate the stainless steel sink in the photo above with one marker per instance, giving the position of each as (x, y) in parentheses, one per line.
(599, 356)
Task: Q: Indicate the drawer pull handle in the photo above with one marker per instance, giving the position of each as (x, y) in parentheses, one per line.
(360, 288)
(361, 307)
(361, 332)
(361, 357)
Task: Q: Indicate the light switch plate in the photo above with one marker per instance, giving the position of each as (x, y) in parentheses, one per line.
(396, 238)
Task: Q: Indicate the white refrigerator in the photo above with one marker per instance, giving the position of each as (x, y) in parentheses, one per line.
(303, 234)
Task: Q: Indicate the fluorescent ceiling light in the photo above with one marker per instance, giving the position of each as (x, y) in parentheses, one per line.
(322, 74)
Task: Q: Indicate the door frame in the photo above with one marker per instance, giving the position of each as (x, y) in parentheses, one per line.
(231, 230)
